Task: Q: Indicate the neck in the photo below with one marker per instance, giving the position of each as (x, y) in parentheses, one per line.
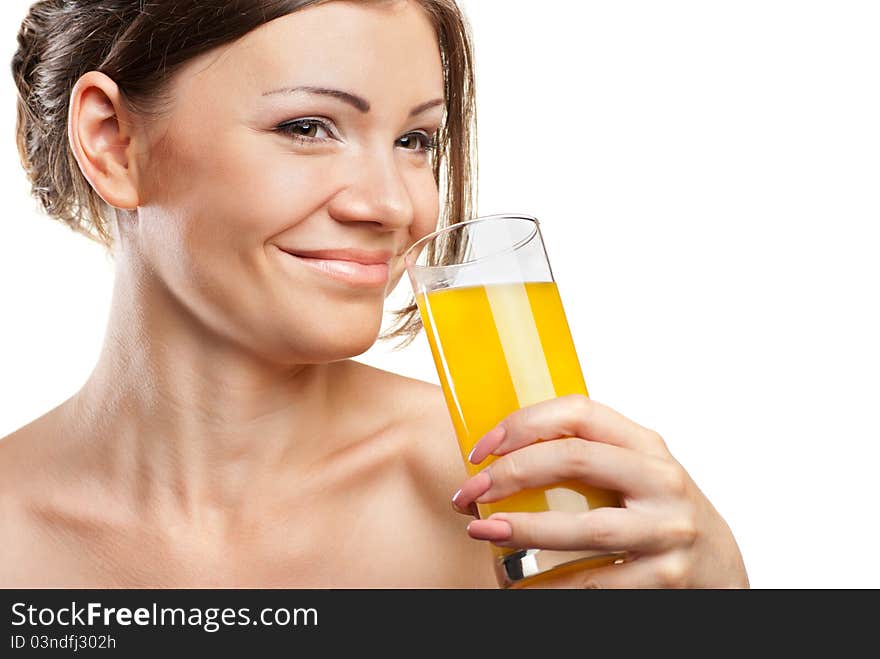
(186, 421)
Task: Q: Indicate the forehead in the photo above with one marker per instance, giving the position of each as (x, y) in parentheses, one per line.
(374, 49)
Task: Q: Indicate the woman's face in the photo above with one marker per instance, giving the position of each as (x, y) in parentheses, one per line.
(246, 169)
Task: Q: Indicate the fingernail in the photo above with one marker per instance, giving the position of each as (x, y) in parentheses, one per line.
(496, 530)
(487, 444)
(475, 486)
(470, 510)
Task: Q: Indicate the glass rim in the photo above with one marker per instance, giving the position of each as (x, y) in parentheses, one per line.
(486, 218)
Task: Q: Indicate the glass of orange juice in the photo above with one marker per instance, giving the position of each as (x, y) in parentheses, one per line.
(500, 341)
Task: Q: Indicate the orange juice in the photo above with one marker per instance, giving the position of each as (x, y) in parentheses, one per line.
(498, 348)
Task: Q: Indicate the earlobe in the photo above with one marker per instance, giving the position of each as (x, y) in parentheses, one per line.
(101, 140)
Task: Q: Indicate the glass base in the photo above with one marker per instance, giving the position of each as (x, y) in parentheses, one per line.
(525, 567)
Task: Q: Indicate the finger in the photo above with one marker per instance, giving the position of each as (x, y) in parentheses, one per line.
(600, 465)
(607, 529)
(566, 416)
(472, 488)
(641, 572)
(487, 444)
(629, 472)
(467, 510)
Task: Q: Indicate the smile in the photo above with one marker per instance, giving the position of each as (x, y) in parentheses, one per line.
(349, 272)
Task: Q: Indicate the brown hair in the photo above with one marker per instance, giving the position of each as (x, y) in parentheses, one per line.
(140, 45)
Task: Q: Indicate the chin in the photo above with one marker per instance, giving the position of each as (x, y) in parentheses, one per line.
(324, 348)
(356, 345)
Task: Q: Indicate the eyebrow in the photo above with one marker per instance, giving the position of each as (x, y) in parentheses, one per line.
(360, 103)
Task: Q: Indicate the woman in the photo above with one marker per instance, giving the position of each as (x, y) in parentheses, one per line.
(256, 168)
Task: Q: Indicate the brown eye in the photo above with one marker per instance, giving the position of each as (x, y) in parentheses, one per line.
(413, 141)
(409, 142)
(304, 130)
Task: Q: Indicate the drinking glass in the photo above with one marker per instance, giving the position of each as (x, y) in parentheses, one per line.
(500, 341)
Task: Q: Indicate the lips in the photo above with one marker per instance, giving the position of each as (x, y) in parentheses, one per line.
(363, 256)
(351, 266)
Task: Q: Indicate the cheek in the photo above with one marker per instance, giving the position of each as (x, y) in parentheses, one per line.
(215, 198)
(219, 197)
(241, 196)
(426, 210)
(212, 204)
(426, 204)
(205, 229)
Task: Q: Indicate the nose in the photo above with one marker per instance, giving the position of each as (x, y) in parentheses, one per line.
(375, 192)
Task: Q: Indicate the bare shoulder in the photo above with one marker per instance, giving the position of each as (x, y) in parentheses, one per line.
(436, 468)
(25, 453)
(396, 394)
(20, 476)
(19, 457)
(418, 408)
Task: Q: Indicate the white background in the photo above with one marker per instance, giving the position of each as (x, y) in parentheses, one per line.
(706, 174)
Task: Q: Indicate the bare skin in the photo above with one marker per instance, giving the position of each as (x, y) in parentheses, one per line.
(225, 438)
(374, 513)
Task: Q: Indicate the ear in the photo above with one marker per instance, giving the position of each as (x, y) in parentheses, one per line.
(99, 129)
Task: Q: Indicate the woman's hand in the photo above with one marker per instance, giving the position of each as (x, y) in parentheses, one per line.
(673, 536)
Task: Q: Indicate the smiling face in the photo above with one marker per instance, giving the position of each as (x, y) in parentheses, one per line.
(253, 163)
